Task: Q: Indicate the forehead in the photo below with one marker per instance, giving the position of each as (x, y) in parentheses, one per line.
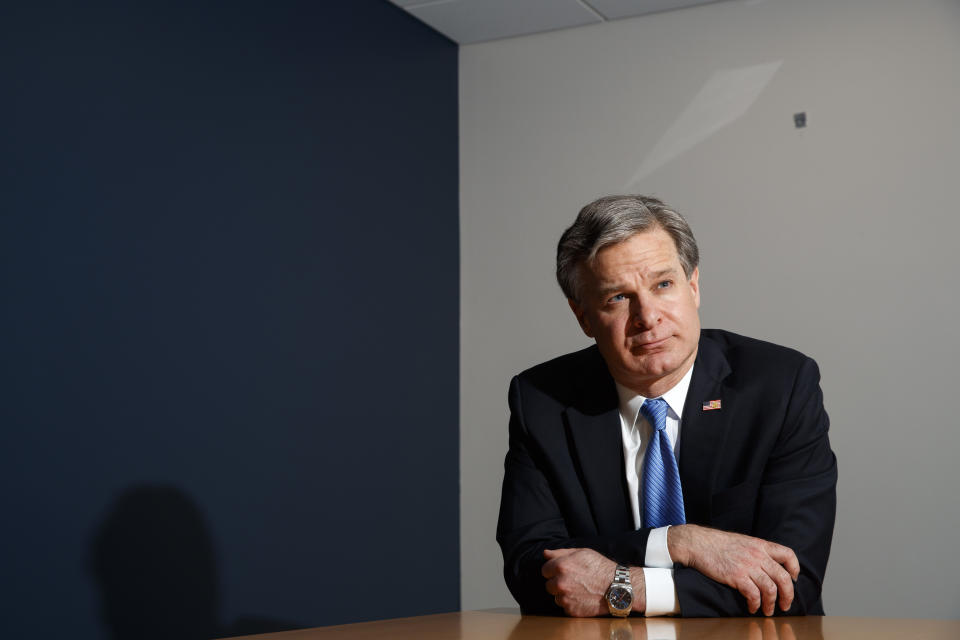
(647, 251)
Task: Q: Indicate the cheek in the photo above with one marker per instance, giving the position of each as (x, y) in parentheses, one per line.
(611, 327)
(685, 311)
(622, 325)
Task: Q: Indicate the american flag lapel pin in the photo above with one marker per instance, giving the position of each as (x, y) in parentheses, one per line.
(710, 405)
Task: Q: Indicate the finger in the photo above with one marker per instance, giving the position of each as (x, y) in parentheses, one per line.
(748, 589)
(552, 587)
(561, 601)
(786, 557)
(783, 581)
(557, 553)
(768, 592)
(793, 566)
(784, 584)
(549, 569)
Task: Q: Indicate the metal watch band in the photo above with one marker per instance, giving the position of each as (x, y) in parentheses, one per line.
(621, 576)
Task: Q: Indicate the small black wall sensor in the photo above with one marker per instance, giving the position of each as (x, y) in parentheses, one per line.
(800, 120)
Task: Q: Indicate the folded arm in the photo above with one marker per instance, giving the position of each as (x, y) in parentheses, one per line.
(777, 569)
(531, 521)
(793, 508)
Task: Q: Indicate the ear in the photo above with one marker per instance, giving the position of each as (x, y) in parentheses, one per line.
(582, 318)
(695, 285)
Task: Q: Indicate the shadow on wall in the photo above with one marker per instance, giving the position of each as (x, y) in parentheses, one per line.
(153, 561)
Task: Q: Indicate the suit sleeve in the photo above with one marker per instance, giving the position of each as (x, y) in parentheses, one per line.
(796, 507)
(531, 521)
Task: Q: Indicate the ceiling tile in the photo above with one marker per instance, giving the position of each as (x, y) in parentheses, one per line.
(468, 21)
(613, 9)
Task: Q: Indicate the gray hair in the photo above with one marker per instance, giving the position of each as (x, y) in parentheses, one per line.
(614, 219)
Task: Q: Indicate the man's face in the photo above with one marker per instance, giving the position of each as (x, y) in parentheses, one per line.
(640, 307)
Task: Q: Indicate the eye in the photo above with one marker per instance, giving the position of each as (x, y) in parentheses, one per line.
(617, 298)
(666, 284)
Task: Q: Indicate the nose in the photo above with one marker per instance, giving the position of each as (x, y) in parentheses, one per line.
(646, 315)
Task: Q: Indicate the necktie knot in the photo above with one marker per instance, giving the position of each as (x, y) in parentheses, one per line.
(655, 411)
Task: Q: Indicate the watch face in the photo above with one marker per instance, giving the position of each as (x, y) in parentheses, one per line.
(620, 598)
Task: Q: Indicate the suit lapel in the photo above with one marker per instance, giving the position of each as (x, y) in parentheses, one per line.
(703, 432)
(597, 444)
(594, 427)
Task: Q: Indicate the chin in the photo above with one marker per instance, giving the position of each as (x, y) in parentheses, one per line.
(655, 365)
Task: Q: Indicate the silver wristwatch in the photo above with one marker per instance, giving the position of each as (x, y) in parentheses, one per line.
(620, 594)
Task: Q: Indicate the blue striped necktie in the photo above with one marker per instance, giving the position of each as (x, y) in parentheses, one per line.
(662, 494)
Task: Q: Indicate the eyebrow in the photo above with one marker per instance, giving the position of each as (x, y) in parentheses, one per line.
(604, 291)
(670, 271)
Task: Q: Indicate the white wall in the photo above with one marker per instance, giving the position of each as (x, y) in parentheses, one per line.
(837, 239)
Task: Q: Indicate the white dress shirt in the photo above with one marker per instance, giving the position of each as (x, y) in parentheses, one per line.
(658, 566)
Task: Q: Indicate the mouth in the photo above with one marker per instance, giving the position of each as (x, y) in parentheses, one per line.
(650, 345)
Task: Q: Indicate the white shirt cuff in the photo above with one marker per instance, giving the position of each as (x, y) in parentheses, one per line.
(658, 575)
(658, 554)
(661, 592)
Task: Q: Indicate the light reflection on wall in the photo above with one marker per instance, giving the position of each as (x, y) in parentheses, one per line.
(726, 96)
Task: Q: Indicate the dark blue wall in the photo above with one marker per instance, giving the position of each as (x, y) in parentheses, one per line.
(229, 324)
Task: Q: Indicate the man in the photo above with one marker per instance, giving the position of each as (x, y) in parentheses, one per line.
(667, 470)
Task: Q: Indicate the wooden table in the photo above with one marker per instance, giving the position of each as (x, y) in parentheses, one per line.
(508, 624)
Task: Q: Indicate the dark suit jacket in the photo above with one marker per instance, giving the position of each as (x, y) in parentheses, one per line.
(760, 465)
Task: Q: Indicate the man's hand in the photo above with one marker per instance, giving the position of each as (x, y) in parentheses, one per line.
(578, 580)
(763, 572)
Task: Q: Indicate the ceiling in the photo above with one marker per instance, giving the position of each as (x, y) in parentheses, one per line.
(471, 21)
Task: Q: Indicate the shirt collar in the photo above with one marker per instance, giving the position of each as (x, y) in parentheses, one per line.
(631, 401)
